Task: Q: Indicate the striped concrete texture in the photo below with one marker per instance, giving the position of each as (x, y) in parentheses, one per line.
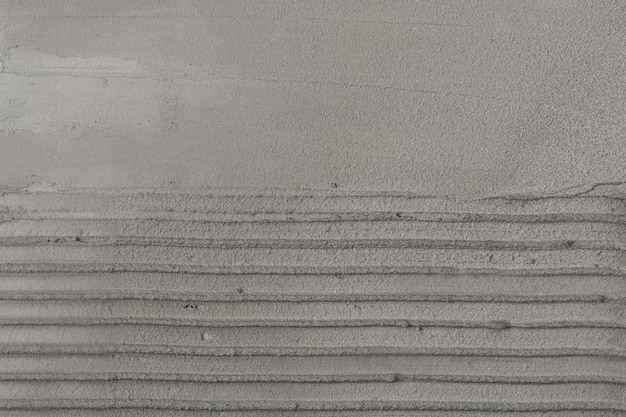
(311, 303)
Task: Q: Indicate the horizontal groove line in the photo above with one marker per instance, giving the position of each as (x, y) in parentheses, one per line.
(295, 405)
(192, 297)
(54, 349)
(144, 193)
(80, 241)
(339, 217)
(44, 267)
(308, 378)
(498, 325)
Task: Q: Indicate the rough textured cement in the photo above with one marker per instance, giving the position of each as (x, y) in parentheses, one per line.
(312, 304)
(438, 97)
(221, 208)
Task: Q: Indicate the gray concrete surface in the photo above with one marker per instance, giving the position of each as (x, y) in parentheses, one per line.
(310, 304)
(466, 98)
(312, 208)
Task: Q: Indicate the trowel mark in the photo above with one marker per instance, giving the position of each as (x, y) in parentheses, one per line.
(22, 61)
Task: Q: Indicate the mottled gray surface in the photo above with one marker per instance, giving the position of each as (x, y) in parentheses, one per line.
(222, 208)
(437, 97)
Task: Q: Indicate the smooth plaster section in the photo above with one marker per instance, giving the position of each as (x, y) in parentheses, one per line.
(466, 98)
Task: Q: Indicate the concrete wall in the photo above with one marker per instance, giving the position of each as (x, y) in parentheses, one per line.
(312, 208)
(310, 305)
(439, 97)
